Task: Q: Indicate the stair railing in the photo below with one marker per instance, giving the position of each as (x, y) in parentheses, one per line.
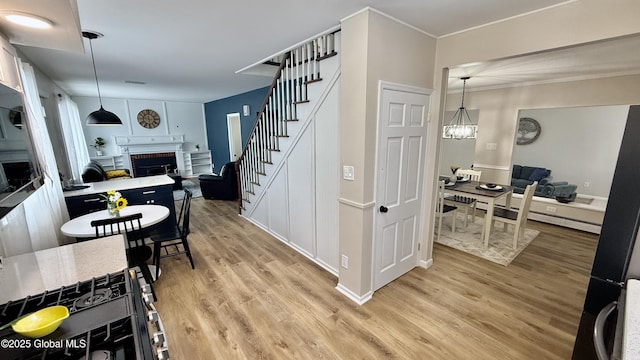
(298, 67)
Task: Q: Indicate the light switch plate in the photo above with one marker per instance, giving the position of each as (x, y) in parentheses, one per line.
(348, 173)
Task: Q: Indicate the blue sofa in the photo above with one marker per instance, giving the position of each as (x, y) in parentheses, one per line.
(522, 176)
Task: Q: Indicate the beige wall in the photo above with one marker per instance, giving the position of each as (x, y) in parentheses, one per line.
(374, 47)
(571, 24)
(499, 112)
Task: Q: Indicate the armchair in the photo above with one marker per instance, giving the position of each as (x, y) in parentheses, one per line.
(220, 187)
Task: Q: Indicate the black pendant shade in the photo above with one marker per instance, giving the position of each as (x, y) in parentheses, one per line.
(100, 117)
(103, 117)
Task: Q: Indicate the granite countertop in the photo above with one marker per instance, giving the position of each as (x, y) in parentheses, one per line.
(33, 273)
(631, 339)
(121, 184)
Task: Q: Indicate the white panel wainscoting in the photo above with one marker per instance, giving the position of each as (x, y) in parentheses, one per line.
(278, 209)
(300, 184)
(297, 201)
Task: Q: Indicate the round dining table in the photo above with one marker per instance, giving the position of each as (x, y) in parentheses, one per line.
(80, 227)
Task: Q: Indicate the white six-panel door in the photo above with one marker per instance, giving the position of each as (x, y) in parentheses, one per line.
(402, 136)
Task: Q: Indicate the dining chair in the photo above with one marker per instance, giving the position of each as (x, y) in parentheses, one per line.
(174, 242)
(137, 251)
(516, 218)
(443, 209)
(465, 202)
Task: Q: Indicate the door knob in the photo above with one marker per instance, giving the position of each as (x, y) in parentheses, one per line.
(384, 209)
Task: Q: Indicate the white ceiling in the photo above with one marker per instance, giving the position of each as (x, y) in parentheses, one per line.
(191, 50)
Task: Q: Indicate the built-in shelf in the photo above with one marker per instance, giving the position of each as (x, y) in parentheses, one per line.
(197, 163)
(110, 162)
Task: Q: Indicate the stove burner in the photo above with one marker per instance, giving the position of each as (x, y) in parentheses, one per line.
(90, 299)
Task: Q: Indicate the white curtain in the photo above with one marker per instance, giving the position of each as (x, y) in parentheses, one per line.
(74, 140)
(45, 210)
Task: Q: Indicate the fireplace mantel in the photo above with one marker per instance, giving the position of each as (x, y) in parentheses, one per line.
(144, 144)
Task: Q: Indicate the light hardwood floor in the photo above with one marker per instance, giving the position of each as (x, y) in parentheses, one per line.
(252, 297)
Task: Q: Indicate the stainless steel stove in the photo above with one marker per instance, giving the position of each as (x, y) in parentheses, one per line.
(111, 317)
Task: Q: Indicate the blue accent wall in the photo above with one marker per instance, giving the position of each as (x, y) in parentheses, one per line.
(216, 117)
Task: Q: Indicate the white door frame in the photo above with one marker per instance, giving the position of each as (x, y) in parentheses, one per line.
(386, 85)
(235, 136)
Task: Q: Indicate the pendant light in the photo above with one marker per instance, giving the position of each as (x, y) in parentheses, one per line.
(461, 126)
(100, 117)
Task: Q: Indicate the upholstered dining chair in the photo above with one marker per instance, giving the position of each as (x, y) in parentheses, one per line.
(464, 202)
(137, 251)
(174, 242)
(443, 209)
(516, 218)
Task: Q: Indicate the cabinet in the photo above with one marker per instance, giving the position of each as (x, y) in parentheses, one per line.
(197, 163)
(110, 162)
(158, 195)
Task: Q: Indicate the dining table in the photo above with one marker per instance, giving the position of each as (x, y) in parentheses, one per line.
(80, 227)
(481, 192)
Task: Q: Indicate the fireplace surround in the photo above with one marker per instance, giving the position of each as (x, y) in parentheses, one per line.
(153, 164)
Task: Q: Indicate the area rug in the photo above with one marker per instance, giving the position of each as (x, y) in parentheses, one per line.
(189, 185)
(500, 248)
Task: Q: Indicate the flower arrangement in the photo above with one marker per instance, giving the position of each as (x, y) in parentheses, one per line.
(115, 202)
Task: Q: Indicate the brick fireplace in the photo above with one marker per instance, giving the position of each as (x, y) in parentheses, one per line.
(153, 164)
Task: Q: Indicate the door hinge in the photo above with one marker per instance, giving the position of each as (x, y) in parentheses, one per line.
(418, 246)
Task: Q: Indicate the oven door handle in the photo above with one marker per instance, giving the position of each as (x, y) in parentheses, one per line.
(598, 330)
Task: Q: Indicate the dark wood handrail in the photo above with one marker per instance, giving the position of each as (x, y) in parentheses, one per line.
(274, 83)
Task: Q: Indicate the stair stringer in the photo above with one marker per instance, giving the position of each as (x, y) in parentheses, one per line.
(271, 207)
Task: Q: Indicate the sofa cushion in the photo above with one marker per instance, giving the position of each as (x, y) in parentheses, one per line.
(112, 174)
(93, 172)
(520, 183)
(517, 169)
(538, 174)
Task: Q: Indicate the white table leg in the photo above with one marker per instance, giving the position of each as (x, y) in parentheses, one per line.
(488, 221)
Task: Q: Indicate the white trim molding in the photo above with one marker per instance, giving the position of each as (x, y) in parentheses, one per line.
(360, 300)
(356, 204)
(426, 263)
(143, 144)
(494, 167)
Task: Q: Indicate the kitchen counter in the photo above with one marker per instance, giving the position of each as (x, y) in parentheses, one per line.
(49, 269)
(631, 340)
(121, 184)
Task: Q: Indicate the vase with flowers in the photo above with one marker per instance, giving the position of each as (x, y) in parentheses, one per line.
(115, 202)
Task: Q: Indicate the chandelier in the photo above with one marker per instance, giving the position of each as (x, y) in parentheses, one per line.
(101, 116)
(460, 126)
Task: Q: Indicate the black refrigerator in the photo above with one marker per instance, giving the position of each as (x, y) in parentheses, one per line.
(616, 242)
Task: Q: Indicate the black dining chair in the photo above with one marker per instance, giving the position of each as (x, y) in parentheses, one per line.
(137, 251)
(174, 242)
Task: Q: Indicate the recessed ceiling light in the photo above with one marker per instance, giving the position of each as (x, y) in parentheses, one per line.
(28, 20)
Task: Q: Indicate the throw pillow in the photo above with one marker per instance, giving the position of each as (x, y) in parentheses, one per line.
(110, 174)
(538, 174)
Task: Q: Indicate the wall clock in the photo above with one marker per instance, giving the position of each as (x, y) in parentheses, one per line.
(148, 118)
(528, 131)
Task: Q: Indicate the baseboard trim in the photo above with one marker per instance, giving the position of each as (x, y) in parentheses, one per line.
(360, 300)
(426, 263)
